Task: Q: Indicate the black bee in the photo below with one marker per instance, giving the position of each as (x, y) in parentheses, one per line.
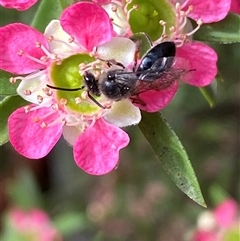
(155, 72)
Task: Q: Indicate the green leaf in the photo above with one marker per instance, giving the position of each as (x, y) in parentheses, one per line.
(144, 42)
(226, 31)
(171, 154)
(47, 11)
(146, 18)
(69, 222)
(210, 93)
(24, 191)
(6, 88)
(7, 106)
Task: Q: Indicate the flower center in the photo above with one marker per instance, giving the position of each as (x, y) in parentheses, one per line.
(71, 89)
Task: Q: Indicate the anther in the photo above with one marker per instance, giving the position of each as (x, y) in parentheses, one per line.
(43, 125)
(39, 99)
(63, 101)
(12, 80)
(27, 109)
(84, 95)
(27, 92)
(55, 106)
(78, 100)
(44, 58)
(38, 44)
(36, 119)
(20, 53)
(47, 91)
(71, 39)
(114, 8)
(50, 38)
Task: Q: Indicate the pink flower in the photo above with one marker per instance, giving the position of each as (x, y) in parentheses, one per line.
(190, 55)
(33, 225)
(213, 226)
(35, 129)
(226, 213)
(207, 11)
(119, 12)
(20, 5)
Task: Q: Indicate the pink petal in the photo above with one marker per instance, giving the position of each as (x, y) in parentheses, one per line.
(28, 137)
(88, 23)
(202, 59)
(209, 11)
(205, 236)
(157, 100)
(235, 6)
(20, 5)
(96, 150)
(226, 213)
(15, 37)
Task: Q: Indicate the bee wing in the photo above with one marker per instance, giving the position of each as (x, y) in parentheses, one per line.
(152, 80)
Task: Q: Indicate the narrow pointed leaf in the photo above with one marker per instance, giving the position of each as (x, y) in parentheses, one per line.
(7, 106)
(6, 88)
(47, 11)
(226, 31)
(171, 154)
(210, 93)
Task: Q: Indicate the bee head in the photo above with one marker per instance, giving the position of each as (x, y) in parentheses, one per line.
(112, 87)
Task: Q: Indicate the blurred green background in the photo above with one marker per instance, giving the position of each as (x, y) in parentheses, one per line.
(138, 201)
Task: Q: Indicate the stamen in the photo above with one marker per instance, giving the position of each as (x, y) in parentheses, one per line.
(51, 39)
(128, 2)
(199, 23)
(22, 53)
(134, 7)
(184, 4)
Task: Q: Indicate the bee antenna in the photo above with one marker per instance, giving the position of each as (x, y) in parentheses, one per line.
(95, 101)
(64, 89)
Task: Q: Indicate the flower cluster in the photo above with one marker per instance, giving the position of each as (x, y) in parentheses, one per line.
(220, 224)
(32, 225)
(92, 37)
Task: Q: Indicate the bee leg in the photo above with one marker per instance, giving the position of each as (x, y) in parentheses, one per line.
(136, 57)
(136, 100)
(113, 62)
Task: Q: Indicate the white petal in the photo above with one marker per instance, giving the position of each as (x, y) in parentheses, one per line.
(120, 22)
(71, 133)
(119, 49)
(35, 87)
(123, 113)
(55, 29)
